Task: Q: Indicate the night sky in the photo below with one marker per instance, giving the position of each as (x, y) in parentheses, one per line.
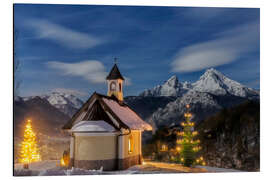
(71, 48)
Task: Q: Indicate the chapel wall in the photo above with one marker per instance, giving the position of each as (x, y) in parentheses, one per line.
(95, 147)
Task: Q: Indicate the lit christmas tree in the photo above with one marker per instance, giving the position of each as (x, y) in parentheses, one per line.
(29, 149)
(186, 145)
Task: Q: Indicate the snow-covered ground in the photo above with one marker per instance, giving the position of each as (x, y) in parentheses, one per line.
(215, 169)
(37, 166)
(52, 168)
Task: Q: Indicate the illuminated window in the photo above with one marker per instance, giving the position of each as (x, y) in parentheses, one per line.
(164, 147)
(130, 144)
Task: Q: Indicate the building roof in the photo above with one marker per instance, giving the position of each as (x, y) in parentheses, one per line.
(115, 74)
(127, 115)
(108, 109)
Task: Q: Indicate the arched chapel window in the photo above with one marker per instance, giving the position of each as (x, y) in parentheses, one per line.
(113, 86)
(130, 144)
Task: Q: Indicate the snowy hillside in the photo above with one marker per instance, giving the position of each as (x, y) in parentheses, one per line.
(212, 81)
(202, 104)
(66, 103)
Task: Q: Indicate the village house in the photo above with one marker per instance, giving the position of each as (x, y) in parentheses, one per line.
(106, 132)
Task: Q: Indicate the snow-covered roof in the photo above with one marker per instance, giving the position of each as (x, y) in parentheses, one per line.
(92, 126)
(110, 110)
(126, 115)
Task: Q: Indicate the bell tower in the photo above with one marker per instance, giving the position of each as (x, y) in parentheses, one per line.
(115, 83)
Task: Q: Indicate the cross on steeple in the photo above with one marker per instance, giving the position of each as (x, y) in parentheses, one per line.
(115, 60)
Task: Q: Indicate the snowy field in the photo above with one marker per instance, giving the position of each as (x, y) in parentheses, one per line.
(52, 168)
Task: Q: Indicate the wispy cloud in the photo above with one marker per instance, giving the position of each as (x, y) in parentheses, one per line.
(70, 91)
(226, 47)
(63, 36)
(91, 70)
(202, 13)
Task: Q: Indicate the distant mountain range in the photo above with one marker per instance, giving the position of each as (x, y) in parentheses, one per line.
(164, 105)
(66, 103)
(212, 81)
(212, 92)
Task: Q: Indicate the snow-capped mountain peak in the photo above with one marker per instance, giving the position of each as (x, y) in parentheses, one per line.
(213, 81)
(65, 102)
(172, 81)
(212, 71)
(171, 87)
(59, 98)
(216, 76)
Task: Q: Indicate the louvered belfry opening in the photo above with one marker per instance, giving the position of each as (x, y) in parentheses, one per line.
(97, 113)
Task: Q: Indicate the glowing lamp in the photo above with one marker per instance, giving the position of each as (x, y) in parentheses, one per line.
(62, 162)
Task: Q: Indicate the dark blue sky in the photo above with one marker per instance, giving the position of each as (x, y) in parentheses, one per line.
(71, 48)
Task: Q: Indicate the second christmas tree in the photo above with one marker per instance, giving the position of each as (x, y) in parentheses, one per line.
(187, 146)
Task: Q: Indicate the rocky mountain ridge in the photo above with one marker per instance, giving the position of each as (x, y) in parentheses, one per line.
(211, 93)
(172, 87)
(212, 81)
(66, 103)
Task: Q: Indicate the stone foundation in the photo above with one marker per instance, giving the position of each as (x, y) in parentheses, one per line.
(130, 161)
(108, 165)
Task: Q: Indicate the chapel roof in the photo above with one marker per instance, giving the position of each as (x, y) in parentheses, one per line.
(109, 109)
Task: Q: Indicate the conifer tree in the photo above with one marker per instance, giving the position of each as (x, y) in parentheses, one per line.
(187, 146)
(29, 150)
